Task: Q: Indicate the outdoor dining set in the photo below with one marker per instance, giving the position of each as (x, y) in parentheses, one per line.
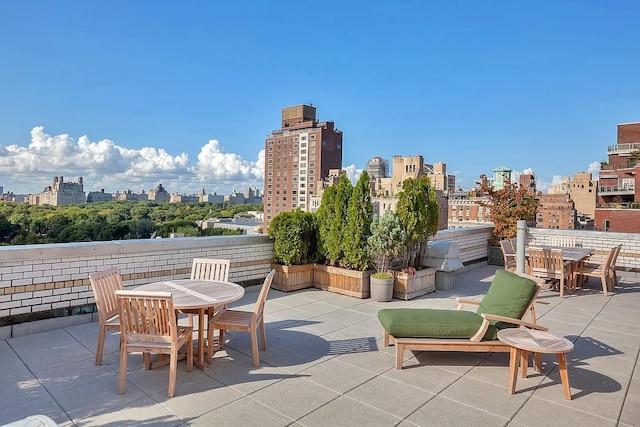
(565, 263)
(147, 317)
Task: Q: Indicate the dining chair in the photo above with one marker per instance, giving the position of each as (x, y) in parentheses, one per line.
(605, 270)
(104, 285)
(564, 241)
(549, 264)
(149, 325)
(243, 321)
(207, 269)
(509, 255)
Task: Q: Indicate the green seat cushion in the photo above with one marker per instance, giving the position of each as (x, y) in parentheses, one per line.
(509, 295)
(428, 323)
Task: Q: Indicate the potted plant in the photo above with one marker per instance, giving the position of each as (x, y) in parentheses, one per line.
(506, 207)
(417, 210)
(386, 241)
(344, 217)
(294, 248)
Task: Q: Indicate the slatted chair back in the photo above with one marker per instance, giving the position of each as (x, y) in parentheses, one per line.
(613, 276)
(104, 285)
(509, 255)
(258, 309)
(563, 241)
(210, 269)
(149, 325)
(514, 244)
(548, 263)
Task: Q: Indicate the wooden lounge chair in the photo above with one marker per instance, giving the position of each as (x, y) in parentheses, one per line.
(509, 255)
(149, 325)
(104, 285)
(564, 241)
(244, 321)
(508, 301)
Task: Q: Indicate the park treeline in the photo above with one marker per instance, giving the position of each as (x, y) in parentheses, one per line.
(22, 224)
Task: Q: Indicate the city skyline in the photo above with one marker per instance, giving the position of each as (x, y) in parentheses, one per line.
(130, 95)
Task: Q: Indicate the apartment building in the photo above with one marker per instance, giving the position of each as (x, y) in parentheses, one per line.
(618, 206)
(528, 181)
(297, 156)
(556, 211)
(467, 209)
(60, 193)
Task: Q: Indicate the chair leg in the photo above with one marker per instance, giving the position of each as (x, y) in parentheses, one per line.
(263, 336)
(254, 346)
(399, 355)
(605, 282)
(190, 352)
(100, 348)
(173, 367)
(561, 287)
(122, 375)
(209, 344)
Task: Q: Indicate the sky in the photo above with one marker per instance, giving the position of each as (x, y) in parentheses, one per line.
(132, 94)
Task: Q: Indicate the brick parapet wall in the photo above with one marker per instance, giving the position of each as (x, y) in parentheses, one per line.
(39, 278)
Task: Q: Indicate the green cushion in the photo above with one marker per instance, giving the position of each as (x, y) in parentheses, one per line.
(509, 295)
(428, 323)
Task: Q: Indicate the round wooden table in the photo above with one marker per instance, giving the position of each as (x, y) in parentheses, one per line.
(202, 295)
(522, 341)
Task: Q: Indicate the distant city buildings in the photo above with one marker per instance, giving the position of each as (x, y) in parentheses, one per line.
(556, 211)
(298, 155)
(618, 206)
(159, 194)
(60, 193)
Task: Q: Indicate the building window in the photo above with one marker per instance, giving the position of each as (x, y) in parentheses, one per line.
(303, 138)
(312, 137)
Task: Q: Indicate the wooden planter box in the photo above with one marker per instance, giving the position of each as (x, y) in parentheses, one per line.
(407, 287)
(343, 281)
(292, 277)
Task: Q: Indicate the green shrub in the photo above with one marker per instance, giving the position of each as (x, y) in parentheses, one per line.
(294, 236)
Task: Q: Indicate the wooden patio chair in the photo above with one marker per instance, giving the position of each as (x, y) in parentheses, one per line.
(149, 325)
(605, 270)
(207, 269)
(549, 264)
(244, 321)
(509, 299)
(563, 241)
(104, 285)
(509, 255)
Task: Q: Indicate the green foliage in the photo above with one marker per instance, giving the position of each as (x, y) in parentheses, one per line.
(387, 239)
(324, 214)
(418, 212)
(507, 206)
(357, 230)
(115, 220)
(335, 240)
(382, 275)
(220, 231)
(294, 236)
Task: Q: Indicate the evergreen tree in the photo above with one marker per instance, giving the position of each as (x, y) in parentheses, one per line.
(323, 215)
(418, 212)
(335, 239)
(357, 231)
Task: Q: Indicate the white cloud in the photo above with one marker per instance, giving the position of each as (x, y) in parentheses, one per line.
(353, 173)
(104, 164)
(594, 168)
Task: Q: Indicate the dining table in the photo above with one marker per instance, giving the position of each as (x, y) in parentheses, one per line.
(574, 255)
(201, 295)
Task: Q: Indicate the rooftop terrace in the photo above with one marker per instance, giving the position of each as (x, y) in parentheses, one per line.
(325, 365)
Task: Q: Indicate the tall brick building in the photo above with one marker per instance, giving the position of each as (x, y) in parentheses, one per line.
(556, 211)
(297, 156)
(619, 186)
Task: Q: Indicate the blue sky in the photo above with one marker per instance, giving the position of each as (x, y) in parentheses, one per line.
(130, 94)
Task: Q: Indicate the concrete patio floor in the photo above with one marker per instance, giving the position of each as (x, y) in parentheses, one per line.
(325, 365)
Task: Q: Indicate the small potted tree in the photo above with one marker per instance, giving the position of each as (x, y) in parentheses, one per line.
(294, 248)
(385, 243)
